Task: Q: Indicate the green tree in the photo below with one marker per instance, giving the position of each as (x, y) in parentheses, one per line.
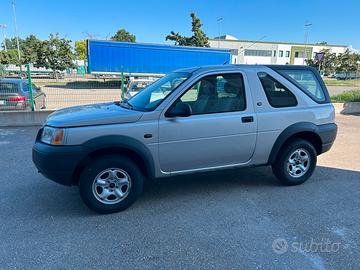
(11, 43)
(328, 63)
(9, 57)
(198, 39)
(123, 35)
(348, 62)
(28, 50)
(80, 49)
(55, 53)
(2, 71)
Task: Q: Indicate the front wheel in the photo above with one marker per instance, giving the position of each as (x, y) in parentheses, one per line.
(110, 184)
(296, 162)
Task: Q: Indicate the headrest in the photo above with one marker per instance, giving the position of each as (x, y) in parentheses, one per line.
(207, 88)
(231, 89)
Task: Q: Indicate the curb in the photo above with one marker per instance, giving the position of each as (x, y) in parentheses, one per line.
(347, 108)
(23, 118)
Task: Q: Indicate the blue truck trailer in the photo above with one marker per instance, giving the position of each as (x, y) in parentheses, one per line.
(111, 57)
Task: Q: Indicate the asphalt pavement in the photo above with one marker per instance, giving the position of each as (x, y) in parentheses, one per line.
(237, 219)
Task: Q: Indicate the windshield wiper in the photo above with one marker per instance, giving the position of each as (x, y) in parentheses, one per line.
(125, 104)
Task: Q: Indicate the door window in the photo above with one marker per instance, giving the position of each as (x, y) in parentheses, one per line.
(216, 94)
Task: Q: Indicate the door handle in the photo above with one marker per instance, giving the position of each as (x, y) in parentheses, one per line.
(247, 119)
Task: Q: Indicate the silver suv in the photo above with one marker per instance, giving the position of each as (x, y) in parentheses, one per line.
(191, 120)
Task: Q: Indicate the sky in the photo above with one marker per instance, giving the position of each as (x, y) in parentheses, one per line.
(336, 22)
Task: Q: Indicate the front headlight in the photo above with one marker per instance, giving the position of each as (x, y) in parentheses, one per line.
(52, 135)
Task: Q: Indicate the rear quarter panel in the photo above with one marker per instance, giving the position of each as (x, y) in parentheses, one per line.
(272, 121)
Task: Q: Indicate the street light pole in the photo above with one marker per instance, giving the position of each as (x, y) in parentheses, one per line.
(219, 29)
(16, 33)
(4, 26)
(306, 28)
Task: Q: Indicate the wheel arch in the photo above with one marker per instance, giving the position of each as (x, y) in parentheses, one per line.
(117, 145)
(303, 130)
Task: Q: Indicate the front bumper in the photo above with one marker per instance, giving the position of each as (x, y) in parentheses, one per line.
(57, 163)
(327, 135)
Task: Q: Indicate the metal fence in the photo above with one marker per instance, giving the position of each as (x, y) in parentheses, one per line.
(34, 93)
(78, 90)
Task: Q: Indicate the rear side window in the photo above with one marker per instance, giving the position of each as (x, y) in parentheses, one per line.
(307, 81)
(277, 94)
(6, 87)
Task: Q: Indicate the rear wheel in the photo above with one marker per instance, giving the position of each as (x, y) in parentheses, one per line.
(110, 184)
(23, 75)
(296, 162)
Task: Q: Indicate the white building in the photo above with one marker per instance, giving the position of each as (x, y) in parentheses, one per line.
(267, 52)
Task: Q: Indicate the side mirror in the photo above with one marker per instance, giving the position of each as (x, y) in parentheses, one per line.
(179, 110)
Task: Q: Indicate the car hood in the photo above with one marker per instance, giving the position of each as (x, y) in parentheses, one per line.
(96, 114)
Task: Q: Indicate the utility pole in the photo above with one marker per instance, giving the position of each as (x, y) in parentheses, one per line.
(4, 26)
(219, 20)
(17, 35)
(306, 29)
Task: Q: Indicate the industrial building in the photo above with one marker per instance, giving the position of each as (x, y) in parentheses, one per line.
(268, 52)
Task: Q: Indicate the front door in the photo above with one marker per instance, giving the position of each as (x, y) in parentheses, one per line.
(220, 132)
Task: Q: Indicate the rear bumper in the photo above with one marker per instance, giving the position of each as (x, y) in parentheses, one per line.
(13, 106)
(57, 163)
(327, 134)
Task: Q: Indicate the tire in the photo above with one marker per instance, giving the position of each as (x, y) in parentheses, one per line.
(103, 197)
(56, 75)
(23, 75)
(291, 167)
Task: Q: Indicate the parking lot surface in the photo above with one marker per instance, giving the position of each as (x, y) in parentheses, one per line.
(237, 219)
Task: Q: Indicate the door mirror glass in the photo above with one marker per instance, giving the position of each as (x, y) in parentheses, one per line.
(179, 110)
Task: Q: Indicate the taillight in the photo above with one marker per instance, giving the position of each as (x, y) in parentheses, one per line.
(17, 98)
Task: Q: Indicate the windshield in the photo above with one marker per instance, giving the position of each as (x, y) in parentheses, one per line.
(150, 97)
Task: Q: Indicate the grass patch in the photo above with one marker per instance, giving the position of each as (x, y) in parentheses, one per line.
(347, 96)
(354, 82)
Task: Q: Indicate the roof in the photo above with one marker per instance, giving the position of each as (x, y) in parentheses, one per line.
(243, 66)
(216, 67)
(12, 80)
(227, 37)
(276, 42)
(153, 45)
